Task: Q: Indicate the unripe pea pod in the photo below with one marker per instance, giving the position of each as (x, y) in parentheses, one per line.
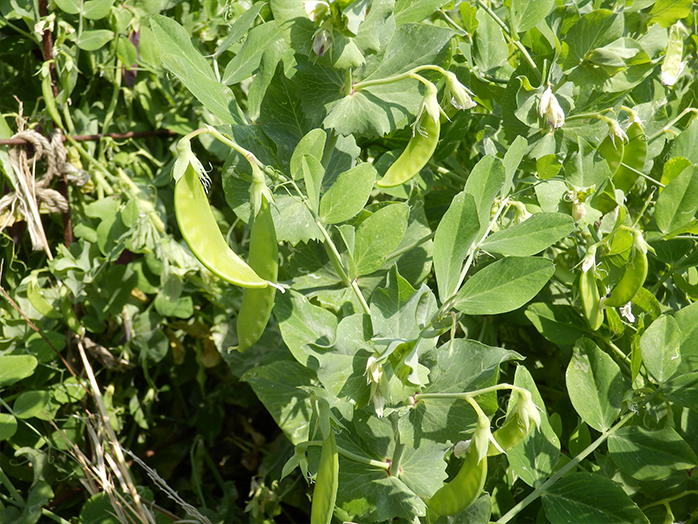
(257, 304)
(633, 278)
(326, 482)
(590, 297)
(509, 435)
(465, 488)
(416, 155)
(201, 232)
(69, 313)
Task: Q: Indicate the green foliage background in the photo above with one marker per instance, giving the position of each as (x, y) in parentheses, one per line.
(463, 278)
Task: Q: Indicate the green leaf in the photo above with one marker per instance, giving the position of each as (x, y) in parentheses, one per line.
(586, 167)
(454, 235)
(14, 368)
(491, 50)
(72, 7)
(484, 183)
(595, 385)
(678, 202)
(239, 28)
(686, 144)
(378, 28)
(461, 365)
(512, 160)
(96, 9)
(687, 320)
(378, 236)
(525, 14)
(304, 325)
(593, 30)
(93, 39)
(312, 144)
(667, 12)
(249, 57)
(660, 349)
(407, 11)
(531, 236)
(348, 194)
(313, 173)
(558, 323)
(504, 286)
(192, 69)
(650, 455)
(533, 459)
(8, 426)
(277, 386)
(587, 498)
(35, 403)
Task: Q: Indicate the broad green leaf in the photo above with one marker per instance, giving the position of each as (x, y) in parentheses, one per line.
(559, 323)
(72, 7)
(313, 173)
(407, 11)
(355, 14)
(650, 455)
(534, 459)
(378, 236)
(484, 183)
(666, 12)
(34, 403)
(396, 308)
(312, 144)
(687, 320)
(682, 389)
(348, 194)
(686, 144)
(525, 14)
(673, 168)
(634, 155)
(98, 510)
(273, 54)
(678, 202)
(504, 286)
(192, 69)
(277, 386)
(586, 167)
(413, 45)
(588, 498)
(93, 39)
(96, 9)
(454, 235)
(463, 365)
(378, 28)
(660, 349)
(512, 160)
(14, 368)
(282, 117)
(8, 426)
(531, 236)
(593, 30)
(491, 50)
(239, 28)
(595, 385)
(248, 58)
(303, 326)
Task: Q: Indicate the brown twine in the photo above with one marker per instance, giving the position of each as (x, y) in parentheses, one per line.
(31, 195)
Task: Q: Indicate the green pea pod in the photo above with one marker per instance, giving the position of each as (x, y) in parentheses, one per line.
(612, 150)
(199, 229)
(326, 483)
(69, 313)
(634, 155)
(37, 300)
(511, 434)
(418, 152)
(630, 283)
(589, 294)
(264, 259)
(464, 489)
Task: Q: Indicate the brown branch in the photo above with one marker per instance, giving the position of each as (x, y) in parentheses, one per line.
(47, 40)
(90, 138)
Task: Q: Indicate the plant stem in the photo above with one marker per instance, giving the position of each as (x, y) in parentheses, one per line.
(412, 73)
(465, 396)
(348, 454)
(510, 37)
(667, 128)
(11, 488)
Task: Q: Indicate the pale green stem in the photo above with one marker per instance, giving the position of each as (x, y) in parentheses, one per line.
(648, 201)
(667, 128)
(102, 186)
(452, 23)
(11, 488)
(50, 515)
(348, 454)
(397, 78)
(110, 110)
(509, 37)
(466, 396)
(670, 499)
(640, 173)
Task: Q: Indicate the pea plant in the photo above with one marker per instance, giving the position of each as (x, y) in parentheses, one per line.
(462, 254)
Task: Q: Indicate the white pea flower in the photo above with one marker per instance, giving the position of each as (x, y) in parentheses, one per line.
(316, 10)
(550, 108)
(627, 312)
(526, 410)
(615, 131)
(379, 384)
(185, 157)
(460, 97)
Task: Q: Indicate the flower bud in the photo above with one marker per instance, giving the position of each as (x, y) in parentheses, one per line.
(323, 41)
(460, 97)
(550, 108)
(578, 210)
(379, 384)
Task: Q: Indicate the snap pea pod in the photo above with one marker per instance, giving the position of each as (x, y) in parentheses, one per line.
(416, 155)
(326, 482)
(465, 488)
(199, 229)
(509, 435)
(264, 260)
(633, 278)
(589, 294)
